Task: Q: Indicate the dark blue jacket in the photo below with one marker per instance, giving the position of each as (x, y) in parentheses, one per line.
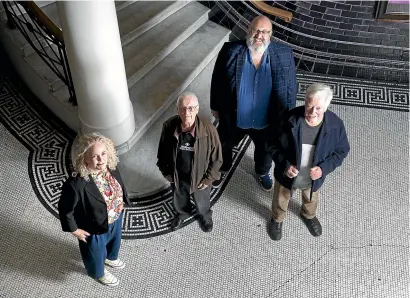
(286, 146)
(227, 75)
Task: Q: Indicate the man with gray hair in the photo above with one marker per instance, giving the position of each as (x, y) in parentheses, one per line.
(253, 83)
(310, 143)
(189, 156)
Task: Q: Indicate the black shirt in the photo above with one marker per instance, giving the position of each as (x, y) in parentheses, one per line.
(185, 156)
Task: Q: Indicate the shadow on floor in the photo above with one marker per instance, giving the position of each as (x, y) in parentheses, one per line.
(35, 253)
(261, 208)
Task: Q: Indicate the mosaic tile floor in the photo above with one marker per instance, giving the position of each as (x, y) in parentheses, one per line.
(363, 251)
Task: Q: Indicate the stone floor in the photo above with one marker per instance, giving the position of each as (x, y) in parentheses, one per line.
(363, 251)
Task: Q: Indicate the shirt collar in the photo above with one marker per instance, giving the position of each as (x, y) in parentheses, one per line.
(178, 131)
(265, 57)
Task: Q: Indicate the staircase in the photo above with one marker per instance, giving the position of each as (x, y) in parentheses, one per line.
(166, 46)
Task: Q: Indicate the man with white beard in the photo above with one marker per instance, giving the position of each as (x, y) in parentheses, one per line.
(253, 83)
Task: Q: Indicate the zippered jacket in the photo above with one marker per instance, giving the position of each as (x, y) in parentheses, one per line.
(207, 152)
(285, 146)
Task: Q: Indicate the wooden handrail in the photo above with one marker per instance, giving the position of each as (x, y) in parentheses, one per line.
(274, 11)
(45, 20)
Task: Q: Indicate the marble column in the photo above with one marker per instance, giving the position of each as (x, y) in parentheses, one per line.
(93, 43)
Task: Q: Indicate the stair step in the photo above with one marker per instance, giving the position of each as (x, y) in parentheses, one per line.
(154, 93)
(120, 5)
(20, 41)
(50, 9)
(3, 16)
(143, 155)
(143, 53)
(143, 15)
(44, 71)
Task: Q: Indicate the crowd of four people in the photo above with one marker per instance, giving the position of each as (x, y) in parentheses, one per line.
(253, 92)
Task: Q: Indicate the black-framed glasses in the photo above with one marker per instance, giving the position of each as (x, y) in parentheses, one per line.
(263, 32)
(189, 109)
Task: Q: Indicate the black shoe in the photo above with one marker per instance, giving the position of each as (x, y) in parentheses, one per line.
(314, 226)
(176, 223)
(218, 183)
(275, 230)
(206, 225)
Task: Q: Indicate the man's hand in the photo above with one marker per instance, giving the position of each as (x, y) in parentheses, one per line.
(80, 234)
(292, 172)
(202, 186)
(215, 114)
(315, 173)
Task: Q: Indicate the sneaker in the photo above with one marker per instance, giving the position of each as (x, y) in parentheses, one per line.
(206, 225)
(266, 182)
(118, 264)
(218, 183)
(314, 226)
(176, 223)
(108, 279)
(275, 229)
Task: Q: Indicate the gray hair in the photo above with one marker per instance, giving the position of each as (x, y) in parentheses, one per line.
(185, 94)
(321, 91)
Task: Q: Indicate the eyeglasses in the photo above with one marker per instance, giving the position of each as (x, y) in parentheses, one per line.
(257, 31)
(189, 109)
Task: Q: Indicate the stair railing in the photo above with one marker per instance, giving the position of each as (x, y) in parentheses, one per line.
(303, 53)
(43, 36)
(273, 11)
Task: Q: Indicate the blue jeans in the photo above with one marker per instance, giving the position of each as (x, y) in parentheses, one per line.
(101, 247)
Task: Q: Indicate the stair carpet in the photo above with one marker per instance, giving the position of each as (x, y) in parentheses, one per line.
(166, 44)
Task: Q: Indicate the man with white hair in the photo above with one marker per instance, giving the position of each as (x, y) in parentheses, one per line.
(189, 156)
(253, 83)
(310, 143)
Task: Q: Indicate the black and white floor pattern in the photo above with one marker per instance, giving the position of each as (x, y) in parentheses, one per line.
(49, 144)
(363, 208)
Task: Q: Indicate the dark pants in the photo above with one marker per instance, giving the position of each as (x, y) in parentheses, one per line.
(263, 161)
(101, 247)
(202, 200)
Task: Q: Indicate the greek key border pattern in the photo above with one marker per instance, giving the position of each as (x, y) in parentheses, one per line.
(355, 92)
(49, 146)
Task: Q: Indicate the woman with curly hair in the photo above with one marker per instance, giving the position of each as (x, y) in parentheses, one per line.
(91, 206)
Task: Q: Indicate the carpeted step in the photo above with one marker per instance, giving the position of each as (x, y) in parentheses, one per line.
(143, 53)
(143, 15)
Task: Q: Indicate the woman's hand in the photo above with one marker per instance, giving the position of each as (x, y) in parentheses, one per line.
(80, 234)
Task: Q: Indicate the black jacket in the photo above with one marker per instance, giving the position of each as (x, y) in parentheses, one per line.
(286, 146)
(82, 206)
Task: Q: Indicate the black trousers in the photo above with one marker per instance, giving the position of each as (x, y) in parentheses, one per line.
(263, 161)
(202, 200)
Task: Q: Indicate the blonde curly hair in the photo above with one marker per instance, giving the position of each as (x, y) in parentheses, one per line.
(84, 143)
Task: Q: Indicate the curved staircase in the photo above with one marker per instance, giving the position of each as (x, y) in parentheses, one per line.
(166, 45)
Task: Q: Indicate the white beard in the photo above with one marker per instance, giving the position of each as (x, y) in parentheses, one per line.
(258, 49)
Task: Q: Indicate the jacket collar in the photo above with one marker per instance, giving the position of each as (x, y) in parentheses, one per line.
(298, 116)
(92, 189)
(200, 130)
(272, 57)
